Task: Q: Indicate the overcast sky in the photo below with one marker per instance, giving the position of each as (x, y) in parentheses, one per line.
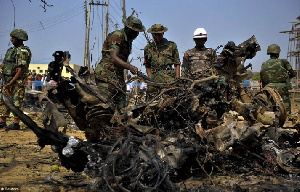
(62, 26)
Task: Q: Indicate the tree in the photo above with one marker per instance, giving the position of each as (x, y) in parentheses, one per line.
(249, 76)
(45, 4)
(256, 76)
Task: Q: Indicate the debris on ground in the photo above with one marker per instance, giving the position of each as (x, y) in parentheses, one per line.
(199, 127)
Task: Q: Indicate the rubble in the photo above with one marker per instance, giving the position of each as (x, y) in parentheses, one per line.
(193, 127)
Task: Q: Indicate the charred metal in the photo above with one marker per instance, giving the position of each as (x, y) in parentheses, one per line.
(193, 127)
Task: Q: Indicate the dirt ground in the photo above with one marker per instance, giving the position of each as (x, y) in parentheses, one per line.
(24, 166)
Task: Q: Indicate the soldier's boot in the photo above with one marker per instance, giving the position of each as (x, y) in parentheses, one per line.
(14, 126)
(2, 125)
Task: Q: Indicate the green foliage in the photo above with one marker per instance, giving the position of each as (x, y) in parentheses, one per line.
(256, 76)
(252, 76)
(249, 76)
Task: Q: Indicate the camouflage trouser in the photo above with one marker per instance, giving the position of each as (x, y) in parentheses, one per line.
(114, 93)
(283, 90)
(163, 76)
(16, 94)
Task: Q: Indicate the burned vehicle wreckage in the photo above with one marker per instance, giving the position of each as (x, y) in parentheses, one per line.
(194, 126)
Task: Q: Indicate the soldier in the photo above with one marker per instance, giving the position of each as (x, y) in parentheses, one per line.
(109, 73)
(160, 56)
(15, 71)
(276, 73)
(197, 62)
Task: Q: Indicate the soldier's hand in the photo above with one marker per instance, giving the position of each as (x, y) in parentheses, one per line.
(66, 62)
(7, 86)
(133, 69)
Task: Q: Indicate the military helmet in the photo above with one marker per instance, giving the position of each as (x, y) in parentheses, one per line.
(134, 23)
(19, 34)
(59, 54)
(200, 33)
(273, 49)
(157, 28)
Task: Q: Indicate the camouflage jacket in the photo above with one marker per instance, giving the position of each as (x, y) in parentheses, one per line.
(275, 71)
(15, 57)
(161, 58)
(197, 60)
(115, 41)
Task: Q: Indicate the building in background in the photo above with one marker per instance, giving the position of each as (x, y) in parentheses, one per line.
(41, 68)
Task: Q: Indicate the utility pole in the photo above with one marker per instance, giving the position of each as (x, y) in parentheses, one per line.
(123, 8)
(293, 54)
(87, 30)
(106, 22)
(87, 36)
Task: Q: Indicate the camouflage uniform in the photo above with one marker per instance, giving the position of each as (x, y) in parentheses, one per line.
(108, 76)
(15, 57)
(197, 63)
(274, 73)
(160, 58)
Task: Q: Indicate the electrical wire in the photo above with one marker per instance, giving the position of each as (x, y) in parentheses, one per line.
(117, 5)
(55, 19)
(112, 17)
(44, 24)
(116, 11)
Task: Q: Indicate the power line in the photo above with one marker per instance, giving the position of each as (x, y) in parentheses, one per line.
(50, 23)
(53, 19)
(117, 5)
(139, 42)
(44, 24)
(111, 16)
(116, 11)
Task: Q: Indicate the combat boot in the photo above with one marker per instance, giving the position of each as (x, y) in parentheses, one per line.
(14, 126)
(2, 125)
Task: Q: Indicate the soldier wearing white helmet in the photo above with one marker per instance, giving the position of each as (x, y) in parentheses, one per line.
(200, 33)
(198, 59)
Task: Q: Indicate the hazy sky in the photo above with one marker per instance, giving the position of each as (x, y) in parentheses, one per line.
(62, 26)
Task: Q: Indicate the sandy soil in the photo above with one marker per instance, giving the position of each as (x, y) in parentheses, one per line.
(24, 166)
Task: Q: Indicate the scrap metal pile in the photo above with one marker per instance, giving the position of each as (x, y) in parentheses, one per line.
(193, 127)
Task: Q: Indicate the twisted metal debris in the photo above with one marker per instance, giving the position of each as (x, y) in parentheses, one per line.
(192, 127)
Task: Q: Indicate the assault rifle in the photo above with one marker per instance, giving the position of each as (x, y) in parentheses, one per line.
(145, 77)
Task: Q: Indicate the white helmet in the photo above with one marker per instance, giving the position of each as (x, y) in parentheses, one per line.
(200, 33)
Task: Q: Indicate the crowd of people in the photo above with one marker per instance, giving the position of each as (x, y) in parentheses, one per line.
(36, 77)
(37, 81)
(161, 60)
